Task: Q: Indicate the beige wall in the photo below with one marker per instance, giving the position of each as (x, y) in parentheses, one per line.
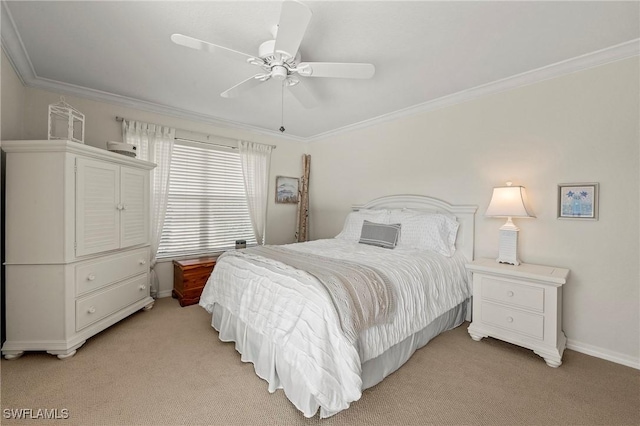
(12, 102)
(581, 127)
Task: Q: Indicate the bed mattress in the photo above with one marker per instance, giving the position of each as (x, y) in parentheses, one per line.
(283, 321)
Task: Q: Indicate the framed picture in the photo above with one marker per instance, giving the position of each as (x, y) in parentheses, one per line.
(578, 201)
(286, 190)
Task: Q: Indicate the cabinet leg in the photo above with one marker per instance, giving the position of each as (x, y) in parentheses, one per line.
(64, 356)
(149, 306)
(67, 353)
(476, 337)
(13, 355)
(474, 334)
(553, 362)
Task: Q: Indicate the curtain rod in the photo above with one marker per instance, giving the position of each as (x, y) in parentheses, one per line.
(206, 143)
(118, 118)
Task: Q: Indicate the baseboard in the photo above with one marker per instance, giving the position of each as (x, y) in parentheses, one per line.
(598, 352)
(164, 293)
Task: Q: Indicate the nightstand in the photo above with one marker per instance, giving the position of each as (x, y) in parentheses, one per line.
(520, 305)
(190, 277)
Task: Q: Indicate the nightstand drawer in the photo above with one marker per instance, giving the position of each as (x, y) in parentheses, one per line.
(522, 322)
(508, 292)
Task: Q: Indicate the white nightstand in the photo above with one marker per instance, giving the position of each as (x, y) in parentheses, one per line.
(520, 305)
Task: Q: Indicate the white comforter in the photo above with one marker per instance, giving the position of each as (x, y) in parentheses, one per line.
(294, 312)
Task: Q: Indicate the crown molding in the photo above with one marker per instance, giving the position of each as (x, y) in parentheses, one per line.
(13, 47)
(100, 96)
(583, 62)
(16, 52)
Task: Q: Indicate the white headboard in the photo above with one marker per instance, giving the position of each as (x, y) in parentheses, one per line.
(464, 213)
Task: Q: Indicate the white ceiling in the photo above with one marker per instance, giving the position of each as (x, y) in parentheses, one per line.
(426, 54)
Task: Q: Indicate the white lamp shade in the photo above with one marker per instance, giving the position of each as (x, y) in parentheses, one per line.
(509, 201)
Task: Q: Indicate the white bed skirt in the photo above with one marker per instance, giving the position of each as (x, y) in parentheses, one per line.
(268, 364)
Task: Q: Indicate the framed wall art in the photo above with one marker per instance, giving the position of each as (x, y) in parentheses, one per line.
(286, 190)
(578, 201)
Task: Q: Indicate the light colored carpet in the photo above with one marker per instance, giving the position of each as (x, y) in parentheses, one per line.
(167, 367)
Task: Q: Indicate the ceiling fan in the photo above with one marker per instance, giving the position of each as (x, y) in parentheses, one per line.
(280, 59)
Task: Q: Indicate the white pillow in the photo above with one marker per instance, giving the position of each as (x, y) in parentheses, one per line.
(353, 223)
(426, 231)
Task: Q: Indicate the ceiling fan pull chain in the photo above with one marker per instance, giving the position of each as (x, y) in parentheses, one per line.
(282, 106)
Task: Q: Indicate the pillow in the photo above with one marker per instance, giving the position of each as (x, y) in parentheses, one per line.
(353, 223)
(426, 231)
(379, 234)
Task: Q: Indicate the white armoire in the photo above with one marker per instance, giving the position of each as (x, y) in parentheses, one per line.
(76, 243)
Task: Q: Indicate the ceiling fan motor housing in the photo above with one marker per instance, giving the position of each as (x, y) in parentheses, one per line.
(279, 72)
(266, 49)
(267, 52)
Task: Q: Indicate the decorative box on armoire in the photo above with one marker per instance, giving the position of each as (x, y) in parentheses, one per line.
(190, 277)
(77, 243)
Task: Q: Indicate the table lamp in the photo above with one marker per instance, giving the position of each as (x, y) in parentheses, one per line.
(509, 201)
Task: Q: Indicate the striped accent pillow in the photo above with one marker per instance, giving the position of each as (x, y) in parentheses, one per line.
(380, 234)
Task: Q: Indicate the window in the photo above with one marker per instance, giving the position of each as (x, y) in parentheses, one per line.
(207, 208)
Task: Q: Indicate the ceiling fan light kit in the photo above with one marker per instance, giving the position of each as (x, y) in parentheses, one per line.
(280, 59)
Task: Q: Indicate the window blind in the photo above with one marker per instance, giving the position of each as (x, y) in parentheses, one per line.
(207, 208)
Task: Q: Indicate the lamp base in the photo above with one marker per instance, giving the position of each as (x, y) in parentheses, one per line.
(508, 262)
(508, 247)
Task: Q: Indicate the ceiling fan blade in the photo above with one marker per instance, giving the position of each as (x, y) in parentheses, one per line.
(243, 86)
(303, 95)
(294, 19)
(336, 70)
(194, 43)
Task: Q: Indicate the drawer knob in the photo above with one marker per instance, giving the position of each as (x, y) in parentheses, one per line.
(509, 319)
(143, 287)
(510, 293)
(143, 262)
(91, 277)
(91, 310)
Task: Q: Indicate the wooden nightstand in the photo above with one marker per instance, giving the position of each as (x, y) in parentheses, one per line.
(190, 277)
(520, 305)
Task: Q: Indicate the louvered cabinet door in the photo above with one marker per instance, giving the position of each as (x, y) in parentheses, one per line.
(134, 212)
(97, 206)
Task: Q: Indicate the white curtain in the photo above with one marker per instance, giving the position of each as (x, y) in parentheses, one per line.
(256, 160)
(153, 143)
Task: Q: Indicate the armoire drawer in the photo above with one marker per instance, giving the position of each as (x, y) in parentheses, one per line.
(97, 306)
(94, 274)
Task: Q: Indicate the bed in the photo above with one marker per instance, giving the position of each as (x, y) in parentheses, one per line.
(326, 319)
